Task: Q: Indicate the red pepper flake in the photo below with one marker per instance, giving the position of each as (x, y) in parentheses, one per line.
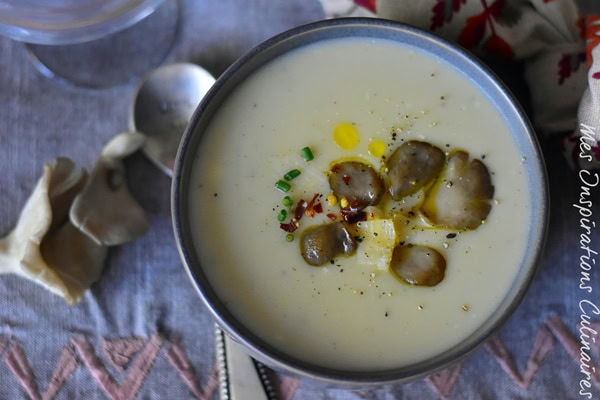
(310, 208)
(332, 216)
(290, 226)
(346, 179)
(300, 207)
(336, 168)
(318, 208)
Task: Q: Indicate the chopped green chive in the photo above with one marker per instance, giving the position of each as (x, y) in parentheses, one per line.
(282, 186)
(287, 201)
(307, 153)
(292, 174)
(289, 237)
(281, 216)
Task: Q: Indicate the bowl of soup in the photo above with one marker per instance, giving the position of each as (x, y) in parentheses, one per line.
(359, 202)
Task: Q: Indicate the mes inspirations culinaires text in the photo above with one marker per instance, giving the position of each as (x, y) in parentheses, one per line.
(589, 310)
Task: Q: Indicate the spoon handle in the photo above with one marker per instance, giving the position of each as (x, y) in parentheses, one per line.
(240, 376)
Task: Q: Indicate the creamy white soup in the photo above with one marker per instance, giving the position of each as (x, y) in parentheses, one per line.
(351, 313)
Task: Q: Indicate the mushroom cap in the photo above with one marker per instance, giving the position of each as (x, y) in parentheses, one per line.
(418, 265)
(322, 243)
(461, 197)
(105, 210)
(358, 182)
(412, 166)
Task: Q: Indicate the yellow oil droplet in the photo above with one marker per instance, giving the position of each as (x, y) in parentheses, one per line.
(345, 135)
(376, 148)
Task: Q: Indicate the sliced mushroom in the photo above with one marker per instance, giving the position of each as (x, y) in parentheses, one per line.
(418, 265)
(358, 182)
(321, 244)
(460, 198)
(412, 166)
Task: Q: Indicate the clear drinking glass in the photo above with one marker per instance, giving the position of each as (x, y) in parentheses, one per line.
(92, 43)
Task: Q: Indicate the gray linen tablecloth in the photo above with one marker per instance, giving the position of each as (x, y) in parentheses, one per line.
(141, 331)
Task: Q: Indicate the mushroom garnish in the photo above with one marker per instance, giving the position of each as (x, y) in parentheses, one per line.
(321, 244)
(429, 189)
(412, 166)
(461, 197)
(47, 245)
(418, 265)
(358, 182)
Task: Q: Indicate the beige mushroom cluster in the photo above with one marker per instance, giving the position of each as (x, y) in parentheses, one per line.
(71, 218)
(457, 195)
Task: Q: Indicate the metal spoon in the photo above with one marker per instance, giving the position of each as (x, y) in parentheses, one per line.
(162, 106)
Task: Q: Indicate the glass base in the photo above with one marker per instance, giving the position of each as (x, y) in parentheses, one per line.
(115, 59)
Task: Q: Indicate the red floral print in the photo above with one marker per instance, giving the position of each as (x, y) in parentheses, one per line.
(568, 64)
(475, 26)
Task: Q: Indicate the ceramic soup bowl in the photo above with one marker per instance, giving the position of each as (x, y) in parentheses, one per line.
(359, 202)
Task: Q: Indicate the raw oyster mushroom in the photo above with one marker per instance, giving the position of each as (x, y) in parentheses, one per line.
(48, 247)
(358, 182)
(321, 244)
(461, 197)
(418, 265)
(105, 210)
(412, 166)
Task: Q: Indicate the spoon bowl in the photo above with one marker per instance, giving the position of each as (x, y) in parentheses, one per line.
(163, 104)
